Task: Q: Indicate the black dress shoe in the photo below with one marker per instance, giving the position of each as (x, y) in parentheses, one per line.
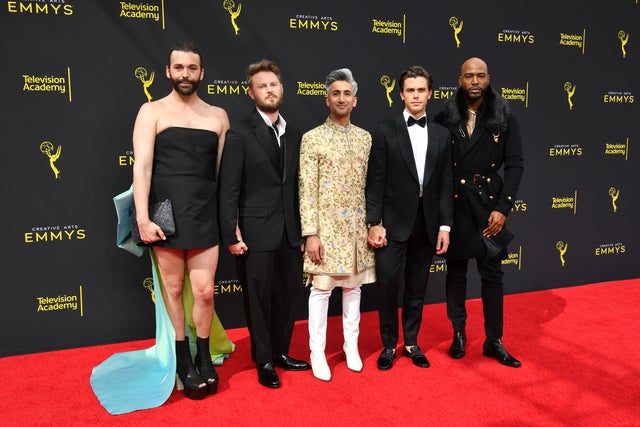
(267, 376)
(493, 348)
(385, 360)
(417, 357)
(457, 346)
(285, 362)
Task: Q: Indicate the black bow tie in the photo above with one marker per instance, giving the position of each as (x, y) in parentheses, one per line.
(421, 121)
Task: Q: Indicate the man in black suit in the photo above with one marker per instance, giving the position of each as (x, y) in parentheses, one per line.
(486, 138)
(409, 211)
(260, 221)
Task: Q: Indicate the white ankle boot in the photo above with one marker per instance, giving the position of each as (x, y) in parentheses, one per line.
(318, 307)
(351, 327)
(319, 366)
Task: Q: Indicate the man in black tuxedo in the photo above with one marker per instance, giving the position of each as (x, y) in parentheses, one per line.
(409, 211)
(260, 221)
(486, 139)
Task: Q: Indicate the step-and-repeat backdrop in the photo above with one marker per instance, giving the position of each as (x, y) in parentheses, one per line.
(75, 73)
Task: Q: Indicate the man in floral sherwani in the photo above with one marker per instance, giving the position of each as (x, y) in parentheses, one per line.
(333, 170)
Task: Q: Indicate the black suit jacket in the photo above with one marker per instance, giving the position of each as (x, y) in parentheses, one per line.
(393, 189)
(253, 191)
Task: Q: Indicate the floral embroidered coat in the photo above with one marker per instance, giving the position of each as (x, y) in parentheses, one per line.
(333, 171)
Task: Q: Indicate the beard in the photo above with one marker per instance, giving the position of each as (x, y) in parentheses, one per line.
(475, 93)
(269, 107)
(185, 91)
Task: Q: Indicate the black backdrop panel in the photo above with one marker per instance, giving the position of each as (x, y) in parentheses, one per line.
(76, 72)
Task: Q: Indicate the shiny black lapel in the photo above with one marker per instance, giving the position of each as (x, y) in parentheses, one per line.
(404, 143)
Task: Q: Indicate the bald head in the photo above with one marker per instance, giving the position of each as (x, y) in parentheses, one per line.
(474, 64)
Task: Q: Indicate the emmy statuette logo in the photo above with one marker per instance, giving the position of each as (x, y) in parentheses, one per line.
(562, 249)
(47, 149)
(141, 74)
(388, 84)
(229, 5)
(614, 193)
(457, 28)
(570, 88)
(624, 39)
(148, 284)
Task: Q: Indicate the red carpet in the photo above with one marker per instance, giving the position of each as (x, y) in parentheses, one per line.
(578, 347)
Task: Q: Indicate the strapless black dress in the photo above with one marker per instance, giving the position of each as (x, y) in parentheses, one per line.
(184, 170)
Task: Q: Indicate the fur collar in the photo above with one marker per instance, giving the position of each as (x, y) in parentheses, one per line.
(493, 112)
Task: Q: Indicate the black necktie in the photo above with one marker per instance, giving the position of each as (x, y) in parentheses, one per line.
(421, 121)
(278, 141)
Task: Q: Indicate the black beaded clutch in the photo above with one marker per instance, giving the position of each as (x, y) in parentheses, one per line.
(161, 213)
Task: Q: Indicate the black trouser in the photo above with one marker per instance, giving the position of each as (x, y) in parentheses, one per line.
(490, 270)
(273, 290)
(409, 260)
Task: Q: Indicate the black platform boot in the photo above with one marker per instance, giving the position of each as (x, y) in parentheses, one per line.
(204, 365)
(194, 385)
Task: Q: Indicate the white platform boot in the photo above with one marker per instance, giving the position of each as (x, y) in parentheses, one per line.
(351, 327)
(318, 307)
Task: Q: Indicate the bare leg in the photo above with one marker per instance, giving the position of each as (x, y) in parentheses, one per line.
(202, 265)
(171, 264)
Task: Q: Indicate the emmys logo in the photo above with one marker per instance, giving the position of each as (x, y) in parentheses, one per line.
(562, 249)
(614, 193)
(227, 287)
(310, 22)
(227, 87)
(148, 285)
(229, 5)
(570, 88)
(444, 92)
(565, 150)
(141, 74)
(47, 149)
(457, 28)
(624, 39)
(611, 249)
(55, 233)
(618, 97)
(126, 159)
(438, 266)
(519, 206)
(52, 8)
(388, 85)
(516, 36)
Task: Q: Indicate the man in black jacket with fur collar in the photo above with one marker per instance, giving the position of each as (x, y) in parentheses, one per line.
(486, 139)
